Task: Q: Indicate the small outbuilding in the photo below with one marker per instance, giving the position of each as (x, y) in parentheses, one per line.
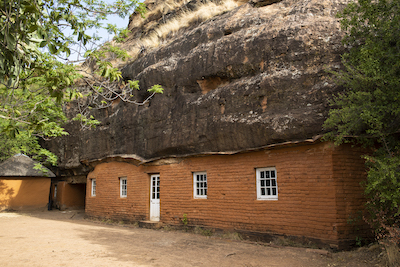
(22, 186)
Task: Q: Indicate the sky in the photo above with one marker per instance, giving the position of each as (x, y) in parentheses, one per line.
(114, 19)
(105, 36)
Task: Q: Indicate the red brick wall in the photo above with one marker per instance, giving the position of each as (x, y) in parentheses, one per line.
(108, 203)
(309, 194)
(349, 172)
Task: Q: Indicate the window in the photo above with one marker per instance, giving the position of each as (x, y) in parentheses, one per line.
(155, 187)
(267, 187)
(93, 187)
(122, 186)
(200, 185)
(55, 191)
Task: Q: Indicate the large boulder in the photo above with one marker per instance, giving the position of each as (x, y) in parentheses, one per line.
(245, 79)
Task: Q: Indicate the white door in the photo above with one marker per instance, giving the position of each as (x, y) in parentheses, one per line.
(155, 198)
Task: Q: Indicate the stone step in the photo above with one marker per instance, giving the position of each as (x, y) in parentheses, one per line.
(150, 224)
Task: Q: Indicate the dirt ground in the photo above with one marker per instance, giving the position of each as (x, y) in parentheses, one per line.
(56, 238)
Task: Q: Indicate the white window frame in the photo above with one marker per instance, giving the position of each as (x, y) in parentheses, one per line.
(123, 187)
(200, 188)
(93, 188)
(267, 184)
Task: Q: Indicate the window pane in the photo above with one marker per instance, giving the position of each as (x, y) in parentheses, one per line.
(200, 184)
(158, 195)
(93, 187)
(266, 183)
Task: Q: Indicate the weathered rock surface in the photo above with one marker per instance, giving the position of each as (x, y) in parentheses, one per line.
(245, 79)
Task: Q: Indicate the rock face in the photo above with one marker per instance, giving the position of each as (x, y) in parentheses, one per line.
(248, 78)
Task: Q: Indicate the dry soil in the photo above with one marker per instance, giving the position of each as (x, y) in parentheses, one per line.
(56, 238)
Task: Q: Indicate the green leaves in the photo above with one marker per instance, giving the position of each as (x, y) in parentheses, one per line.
(133, 84)
(369, 111)
(43, 23)
(156, 89)
(52, 48)
(90, 121)
(106, 70)
(35, 36)
(370, 107)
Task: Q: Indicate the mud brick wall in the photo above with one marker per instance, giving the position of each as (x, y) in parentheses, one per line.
(349, 173)
(69, 195)
(318, 189)
(24, 193)
(107, 203)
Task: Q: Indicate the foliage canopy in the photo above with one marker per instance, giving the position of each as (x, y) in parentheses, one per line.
(36, 76)
(369, 109)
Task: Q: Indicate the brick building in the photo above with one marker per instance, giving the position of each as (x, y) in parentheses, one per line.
(307, 190)
(22, 186)
(69, 193)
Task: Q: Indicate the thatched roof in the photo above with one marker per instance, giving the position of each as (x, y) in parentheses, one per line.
(23, 166)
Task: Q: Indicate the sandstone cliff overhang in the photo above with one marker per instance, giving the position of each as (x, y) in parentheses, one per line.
(247, 79)
(171, 159)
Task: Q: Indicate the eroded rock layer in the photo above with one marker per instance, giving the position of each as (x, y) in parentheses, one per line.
(248, 78)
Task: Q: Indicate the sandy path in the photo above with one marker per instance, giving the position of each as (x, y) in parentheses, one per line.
(52, 239)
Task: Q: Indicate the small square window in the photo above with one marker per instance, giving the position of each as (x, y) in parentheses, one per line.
(200, 185)
(123, 187)
(93, 191)
(267, 187)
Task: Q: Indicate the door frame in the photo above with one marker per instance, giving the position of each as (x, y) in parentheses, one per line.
(154, 205)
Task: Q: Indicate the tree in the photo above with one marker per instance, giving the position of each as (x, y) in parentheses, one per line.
(368, 111)
(36, 77)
